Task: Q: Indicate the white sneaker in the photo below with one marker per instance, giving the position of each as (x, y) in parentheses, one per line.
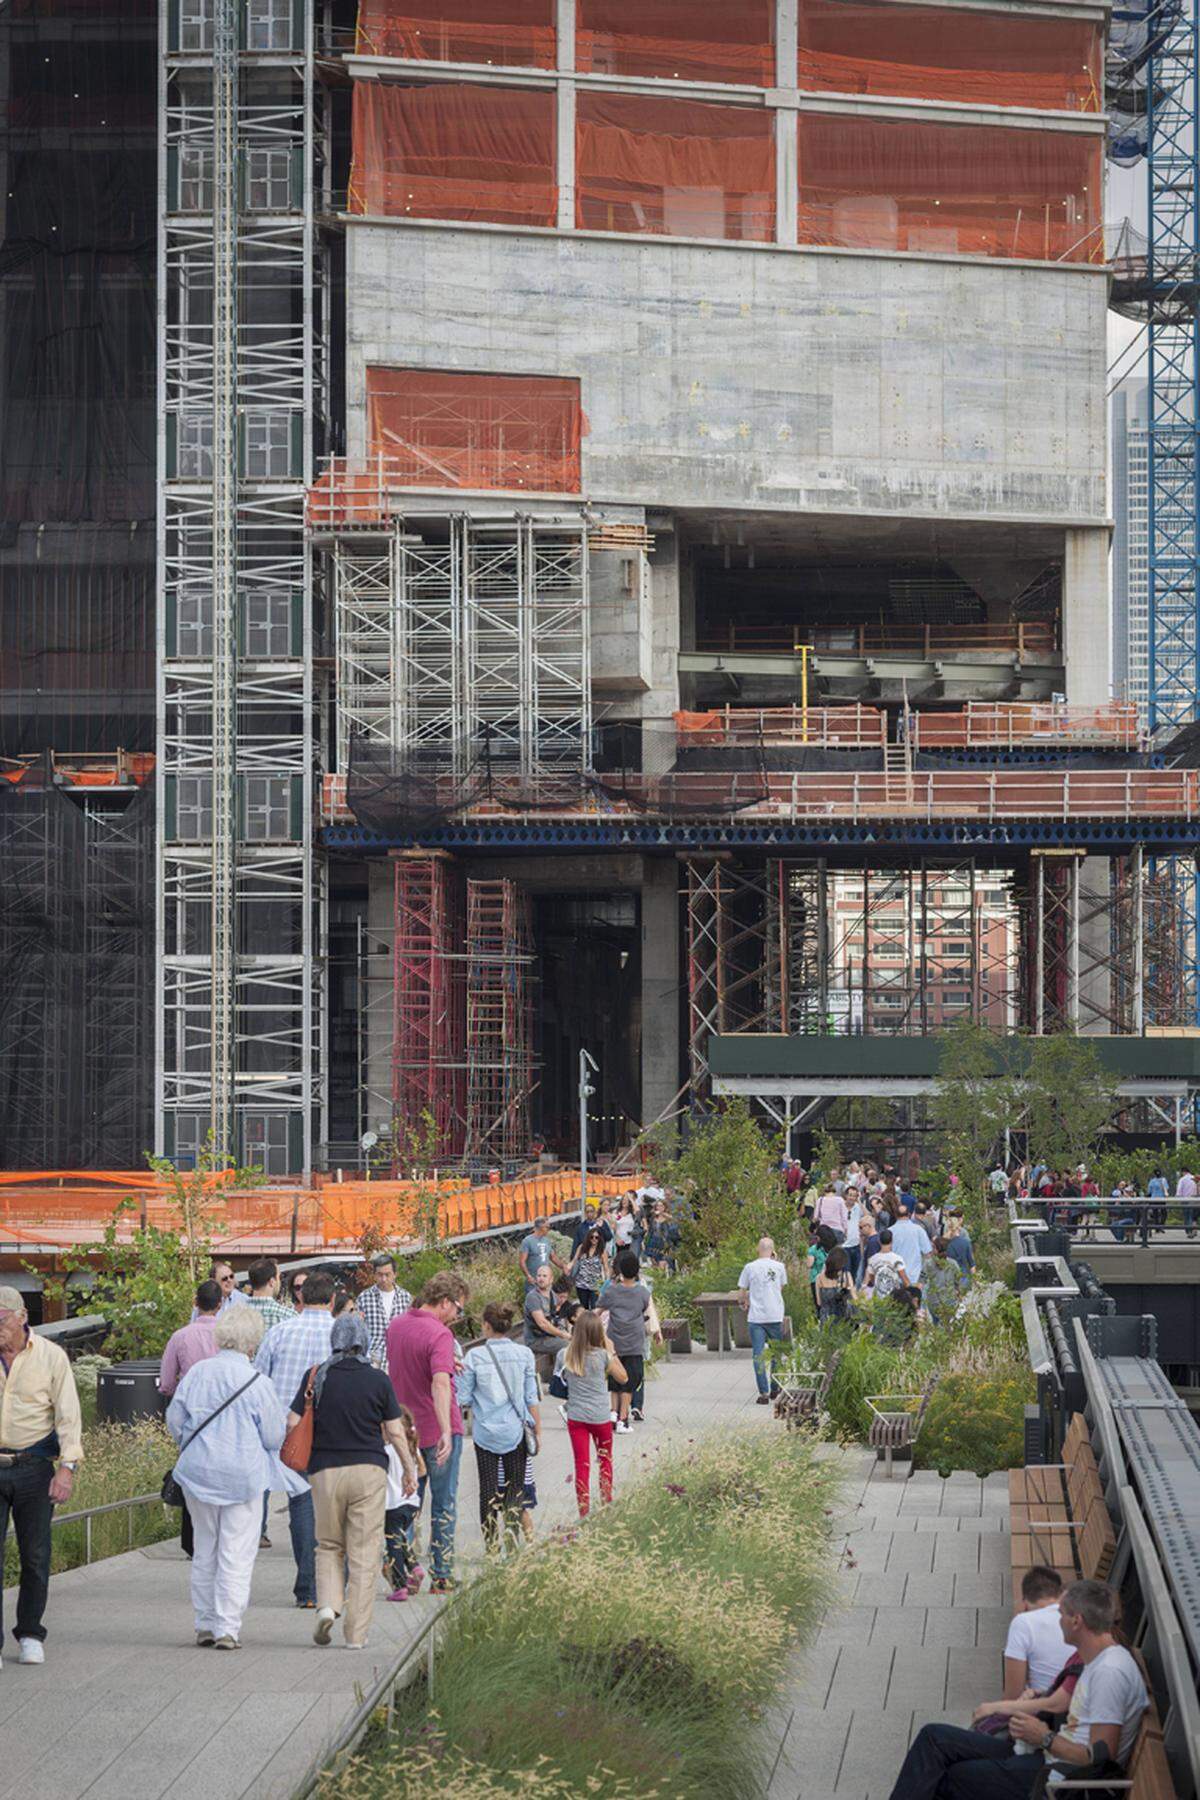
(612, 1418)
(624, 1425)
(562, 1411)
(31, 1650)
(323, 1626)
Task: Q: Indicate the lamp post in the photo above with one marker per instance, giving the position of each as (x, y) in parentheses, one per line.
(587, 1066)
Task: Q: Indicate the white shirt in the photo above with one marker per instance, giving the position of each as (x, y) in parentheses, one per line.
(910, 1242)
(1109, 1692)
(1035, 1638)
(850, 1241)
(884, 1260)
(764, 1280)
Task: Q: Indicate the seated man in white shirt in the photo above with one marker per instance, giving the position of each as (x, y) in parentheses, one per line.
(760, 1290)
(1035, 1651)
(947, 1763)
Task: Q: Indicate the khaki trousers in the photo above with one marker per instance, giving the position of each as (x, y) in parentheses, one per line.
(350, 1504)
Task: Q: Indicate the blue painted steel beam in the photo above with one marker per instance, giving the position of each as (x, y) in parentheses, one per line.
(1166, 837)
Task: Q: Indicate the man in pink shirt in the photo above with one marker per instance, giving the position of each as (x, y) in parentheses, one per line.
(190, 1344)
(421, 1362)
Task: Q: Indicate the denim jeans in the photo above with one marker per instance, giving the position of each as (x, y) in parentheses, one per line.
(25, 1499)
(760, 1336)
(947, 1763)
(302, 1524)
(442, 1482)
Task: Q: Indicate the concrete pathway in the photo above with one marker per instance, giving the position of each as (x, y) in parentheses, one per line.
(126, 1708)
(917, 1633)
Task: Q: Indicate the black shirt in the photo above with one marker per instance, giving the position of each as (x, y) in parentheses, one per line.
(355, 1402)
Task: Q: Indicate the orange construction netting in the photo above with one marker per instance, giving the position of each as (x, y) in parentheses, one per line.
(451, 150)
(439, 428)
(677, 166)
(514, 33)
(929, 53)
(982, 190)
(693, 40)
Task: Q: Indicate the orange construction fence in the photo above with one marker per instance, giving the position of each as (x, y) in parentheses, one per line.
(986, 190)
(514, 33)
(691, 40)
(926, 53)
(454, 150)
(851, 727)
(682, 167)
(439, 428)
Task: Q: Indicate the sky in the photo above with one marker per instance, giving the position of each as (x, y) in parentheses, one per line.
(1126, 199)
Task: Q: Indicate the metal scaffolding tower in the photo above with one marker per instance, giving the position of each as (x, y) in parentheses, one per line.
(242, 363)
(429, 1001)
(500, 1065)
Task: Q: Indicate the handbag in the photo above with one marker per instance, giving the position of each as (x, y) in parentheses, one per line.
(531, 1442)
(296, 1452)
(172, 1493)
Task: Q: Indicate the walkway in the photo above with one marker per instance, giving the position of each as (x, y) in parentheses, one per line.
(125, 1708)
(917, 1633)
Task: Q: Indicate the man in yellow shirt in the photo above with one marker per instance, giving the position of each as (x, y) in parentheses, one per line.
(39, 1425)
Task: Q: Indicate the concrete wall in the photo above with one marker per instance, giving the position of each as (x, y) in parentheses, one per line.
(759, 378)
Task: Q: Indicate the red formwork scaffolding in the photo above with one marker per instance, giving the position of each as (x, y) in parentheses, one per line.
(428, 1001)
(499, 1060)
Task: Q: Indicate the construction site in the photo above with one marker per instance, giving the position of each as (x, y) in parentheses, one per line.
(532, 526)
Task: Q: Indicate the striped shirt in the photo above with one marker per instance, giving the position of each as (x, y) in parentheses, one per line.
(290, 1349)
(273, 1311)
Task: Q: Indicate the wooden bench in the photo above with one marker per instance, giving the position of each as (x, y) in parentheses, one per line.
(1058, 1517)
(800, 1400)
(1146, 1775)
(896, 1422)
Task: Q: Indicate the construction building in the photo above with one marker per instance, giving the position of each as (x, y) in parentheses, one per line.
(632, 546)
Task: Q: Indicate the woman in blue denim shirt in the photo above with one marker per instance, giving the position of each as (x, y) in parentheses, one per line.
(499, 1384)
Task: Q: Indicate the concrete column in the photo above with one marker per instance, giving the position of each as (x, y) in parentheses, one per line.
(786, 26)
(662, 975)
(787, 192)
(1086, 629)
(565, 23)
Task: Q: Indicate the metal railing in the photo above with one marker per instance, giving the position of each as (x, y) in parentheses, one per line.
(771, 638)
(1169, 1219)
(88, 1513)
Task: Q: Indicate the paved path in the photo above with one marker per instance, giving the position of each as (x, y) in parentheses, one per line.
(917, 1633)
(126, 1708)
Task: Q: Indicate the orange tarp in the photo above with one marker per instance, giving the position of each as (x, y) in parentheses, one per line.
(439, 428)
(450, 150)
(692, 40)
(929, 53)
(986, 190)
(516, 33)
(682, 167)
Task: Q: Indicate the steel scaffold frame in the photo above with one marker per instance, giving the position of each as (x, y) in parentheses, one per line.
(428, 1018)
(242, 376)
(499, 1045)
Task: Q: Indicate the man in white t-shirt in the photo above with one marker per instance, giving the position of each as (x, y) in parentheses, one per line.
(1035, 1651)
(1105, 1711)
(760, 1291)
(886, 1271)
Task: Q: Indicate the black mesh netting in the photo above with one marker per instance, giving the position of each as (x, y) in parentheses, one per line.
(78, 99)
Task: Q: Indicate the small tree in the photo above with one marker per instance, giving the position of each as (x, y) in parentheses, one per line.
(416, 1160)
(978, 1095)
(1069, 1099)
(729, 1173)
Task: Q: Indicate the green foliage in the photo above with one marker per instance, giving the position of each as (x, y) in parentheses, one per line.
(653, 1687)
(728, 1175)
(1069, 1098)
(144, 1285)
(978, 1094)
(977, 1422)
(118, 1462)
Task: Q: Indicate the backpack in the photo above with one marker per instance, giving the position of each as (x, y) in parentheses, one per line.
(887, 1280)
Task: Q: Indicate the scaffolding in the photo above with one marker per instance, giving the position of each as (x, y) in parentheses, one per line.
(242, 378)
(429, 1003)
(500, 1070)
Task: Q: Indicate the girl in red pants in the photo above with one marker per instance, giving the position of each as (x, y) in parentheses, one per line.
(587, 1365)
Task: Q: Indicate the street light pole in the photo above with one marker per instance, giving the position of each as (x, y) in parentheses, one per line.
(587, 1063)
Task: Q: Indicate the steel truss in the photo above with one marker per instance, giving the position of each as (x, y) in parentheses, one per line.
(468, 642)
(429, 1002)
(500, 1063)
(1070, 942)
(242, 381)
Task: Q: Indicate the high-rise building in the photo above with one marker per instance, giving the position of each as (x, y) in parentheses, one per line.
(1131, 546)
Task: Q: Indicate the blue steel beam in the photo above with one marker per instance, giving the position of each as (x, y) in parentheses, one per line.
(1178, 838)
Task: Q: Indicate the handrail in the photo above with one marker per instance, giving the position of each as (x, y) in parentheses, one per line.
(88, 1513)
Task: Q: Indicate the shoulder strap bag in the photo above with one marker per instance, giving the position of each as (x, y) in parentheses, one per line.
(296, 1452)
(172, 1493)
(531, 1441)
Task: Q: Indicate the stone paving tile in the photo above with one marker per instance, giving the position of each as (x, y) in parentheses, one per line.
(953, 1626)
(914, 1554)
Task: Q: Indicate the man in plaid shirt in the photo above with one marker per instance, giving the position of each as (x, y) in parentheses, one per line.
(286, 1354)
(380, 1304)
(263, 1277)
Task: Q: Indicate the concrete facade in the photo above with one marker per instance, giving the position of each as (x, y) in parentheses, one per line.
(751, 377)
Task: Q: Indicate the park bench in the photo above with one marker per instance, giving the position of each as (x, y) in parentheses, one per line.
(1145, 1776)
(802, 1398)
(896, 1421)
(677, 1335)
(1058, 1517)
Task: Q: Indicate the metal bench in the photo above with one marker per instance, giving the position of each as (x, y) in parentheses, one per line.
(800, 1401)
(896, 1421)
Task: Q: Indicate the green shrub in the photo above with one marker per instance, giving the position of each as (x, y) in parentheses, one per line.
(976, 1421)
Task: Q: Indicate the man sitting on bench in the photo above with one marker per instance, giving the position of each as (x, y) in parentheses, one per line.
(947, 1763)
(1035, 1649)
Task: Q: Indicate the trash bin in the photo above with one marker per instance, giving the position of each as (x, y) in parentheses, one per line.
(129, 1391)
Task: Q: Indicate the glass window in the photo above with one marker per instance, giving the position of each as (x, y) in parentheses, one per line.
(196, 446)
(195, 178)
(193, 808)
(268, 178)
(268, 807)
(268, 624)
(193, 621)
(195, 24)
(268, 24)
(265, 1142)
(191, 1135)
(268, 442)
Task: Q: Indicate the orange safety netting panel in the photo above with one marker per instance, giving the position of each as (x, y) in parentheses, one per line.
(930, 53)
(982, 190)
(452, 150)
(694, 40)
(439, 428)
(514, 33)
(677, 166)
